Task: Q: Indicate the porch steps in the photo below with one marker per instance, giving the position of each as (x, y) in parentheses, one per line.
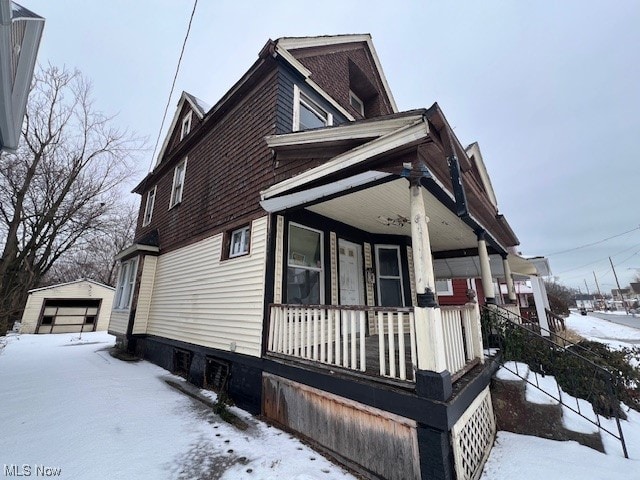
(521, 407)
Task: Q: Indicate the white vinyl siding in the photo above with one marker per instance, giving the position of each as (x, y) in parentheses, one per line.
(72, 290)
(199, 298)
(118, 322)
(145, 291)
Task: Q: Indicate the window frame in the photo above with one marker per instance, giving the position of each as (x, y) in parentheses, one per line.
(185, 128)
(386, 277)
(148, 208)
(245, 242)
(444, 293)
(353, 96)
(178, 182)
(304, 267)
(300, 97)
(126, 284)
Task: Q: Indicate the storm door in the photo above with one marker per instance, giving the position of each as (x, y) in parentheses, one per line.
(351, 277)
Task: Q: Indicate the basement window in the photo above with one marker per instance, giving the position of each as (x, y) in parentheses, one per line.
(216, 375)
(181, 362)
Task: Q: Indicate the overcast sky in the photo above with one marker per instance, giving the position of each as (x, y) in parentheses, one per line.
(550, 90)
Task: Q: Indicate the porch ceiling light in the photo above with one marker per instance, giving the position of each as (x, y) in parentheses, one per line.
(399, 221)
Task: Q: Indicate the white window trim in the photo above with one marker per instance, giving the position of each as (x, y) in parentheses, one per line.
(148, 208)
(245, 246)
(313, 269)
(178, 181)
(444, 293)
(186, 125)
(300, 97)
(126, 283)
(358, 100)
(378, 276)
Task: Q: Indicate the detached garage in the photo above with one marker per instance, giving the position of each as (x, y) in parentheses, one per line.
(80, 306)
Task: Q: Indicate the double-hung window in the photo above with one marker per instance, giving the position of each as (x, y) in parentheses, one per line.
(240, 241)
(305, 276)
(148, 208)
(126, 280)
(307, 114)
(390, 288)
(178, 183)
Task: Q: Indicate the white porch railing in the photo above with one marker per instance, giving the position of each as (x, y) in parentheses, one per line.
(338, 335)
(462, 336)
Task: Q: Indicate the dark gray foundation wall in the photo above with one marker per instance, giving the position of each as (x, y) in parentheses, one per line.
(245, 387)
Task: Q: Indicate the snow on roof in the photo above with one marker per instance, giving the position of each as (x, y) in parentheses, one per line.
(19, 12)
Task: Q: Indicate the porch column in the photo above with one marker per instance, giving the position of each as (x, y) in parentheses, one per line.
(485, 269)
(508, 279)
(542, 303)
(432, 378)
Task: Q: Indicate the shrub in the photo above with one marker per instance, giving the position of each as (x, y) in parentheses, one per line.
(588, 370)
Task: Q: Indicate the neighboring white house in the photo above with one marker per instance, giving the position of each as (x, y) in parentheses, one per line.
(80, 306)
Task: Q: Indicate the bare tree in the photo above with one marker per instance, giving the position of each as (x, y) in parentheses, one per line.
(62, 185)
(94, 256)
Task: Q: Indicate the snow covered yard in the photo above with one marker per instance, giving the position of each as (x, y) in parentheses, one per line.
(67, 404)
(527, 458)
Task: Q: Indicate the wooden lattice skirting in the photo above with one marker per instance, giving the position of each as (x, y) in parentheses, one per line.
(473, 436)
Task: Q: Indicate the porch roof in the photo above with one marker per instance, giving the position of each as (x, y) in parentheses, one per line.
(366, 185)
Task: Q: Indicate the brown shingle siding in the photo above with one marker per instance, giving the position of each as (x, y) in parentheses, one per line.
(331, 70)
(226, 169)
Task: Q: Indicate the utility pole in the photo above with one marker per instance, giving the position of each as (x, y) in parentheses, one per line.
(586, 286)
(624, 304)
(598, 287)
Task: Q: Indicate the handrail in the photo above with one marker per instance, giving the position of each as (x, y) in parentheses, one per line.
(556, 322)
(551, 333)
(497, 331)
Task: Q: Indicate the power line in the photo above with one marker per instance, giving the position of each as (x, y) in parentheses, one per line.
(592, 244)
(602, 260)
(173, 84)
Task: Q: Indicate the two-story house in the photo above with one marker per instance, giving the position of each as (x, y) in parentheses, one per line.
(311, 250)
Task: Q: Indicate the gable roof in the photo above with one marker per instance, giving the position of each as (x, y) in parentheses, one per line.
(198, 106)
(287, 45)
(80, 280)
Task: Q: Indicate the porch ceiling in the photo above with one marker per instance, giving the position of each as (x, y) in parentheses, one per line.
(385, 209)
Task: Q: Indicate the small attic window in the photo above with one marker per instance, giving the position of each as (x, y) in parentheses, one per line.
(186, 125)
(356, 103)
(307, 114)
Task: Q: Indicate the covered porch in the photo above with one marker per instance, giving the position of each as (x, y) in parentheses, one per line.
(367, 241)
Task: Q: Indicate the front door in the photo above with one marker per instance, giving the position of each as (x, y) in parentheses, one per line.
(351, 278)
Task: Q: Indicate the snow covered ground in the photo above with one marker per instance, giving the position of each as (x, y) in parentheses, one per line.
(66, 404)
(527, 458)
